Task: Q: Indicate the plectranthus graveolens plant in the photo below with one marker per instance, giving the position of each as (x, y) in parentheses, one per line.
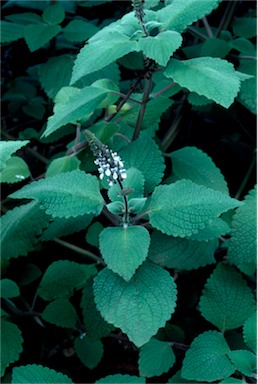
(126, 255)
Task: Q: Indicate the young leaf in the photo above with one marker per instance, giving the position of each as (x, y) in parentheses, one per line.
(215, 47)
(211, 77)
(62, 165)
(193, 164)
(183, 208)
(11, 344)
(89, 352)
(148, 300)
(145, 155)
(33, 373)
(121, 379)
(9, 289)
(124, 249)
(133, 183)
(54, 14)
(245, 27)
(20, 228)
(11, 31)
(61, 313)
(68, 194)
(79, 30)
(116, 207)
(161, 47)
(226, 300)
(7, 148)
(250, 331)
(15, 170)
(155, 358)
(244, 361)
(92, 235)
(206, 359)
(37, 35)
(242, 244)
(61, 279)
(181, 254)
(136, 205)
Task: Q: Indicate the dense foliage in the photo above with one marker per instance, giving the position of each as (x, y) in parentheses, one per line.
(128, 234)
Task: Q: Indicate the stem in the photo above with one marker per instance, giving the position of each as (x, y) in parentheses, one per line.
(181, 346)
(197, 33)
(126, 214)
(81, 251)
(138, 217)
(110, 216)
(207, 26)
(245, 180)
(123, 95)
(163, 90)
(226, 19)
(166, 142)
(145, 98)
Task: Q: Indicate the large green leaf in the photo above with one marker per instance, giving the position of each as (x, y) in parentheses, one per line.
(24, 18)
(145, 155)
(9, 289)
(250, 331)
(242, 244)
(207, 360)
(7, 148)
(124, 249)
(139, 307)
(244, 361)
(66, 195)
(181, 254)
(161, 47)
(183, 208)
(79, 30)
(11, 31)
(193, 164)
(76, 107)
(11, 344)
(61, 279)
(213, 230)
(61, 313)
(34, 373)
(20, 228)
(226, 301)
(211, 77)
(89, 352)
(37, 35)
(15, 170)
(155, 358)
(121, 379)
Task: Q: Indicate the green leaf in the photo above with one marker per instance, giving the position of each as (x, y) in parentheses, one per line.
(244, 361)
(37, 35)
(11, 344)
(215, 47)
(89, 352)
(148, 300)
(232, 380)
(193, 164)
(79, 30)
(248, 91)
(79, 105)
(11, 31)
(197, 100)
(177, 379)
(51, 70)
(215, 229)
(121, 379)
(107, 85)
(245, 27)
(61, 313)
(211, 77)
(96, 326)
(181, 254)
(92, 235)
(183, 208)
(61, 279)
(33, 373)
(136, 205)
(20, 228)
(155, 358)
(15, 170)
(24, 18)
(68, 194)
(180, 14)
(100, 52)
(9, 289)
(134, 183)
(28, 274)
(242, 244)
(124, 249)
(62, 165)
(116, 207)
(54, 14)
(226, 300)
(206, 359)
(250, 332)
(244, 46)
(161, 47)
(7, 148)
(145, 155)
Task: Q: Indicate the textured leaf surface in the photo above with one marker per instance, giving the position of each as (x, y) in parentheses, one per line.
(15, 170)
(37, 35)
(211, 77)
(206, 359)
(139, 307)
(89, 352)
(79, 30)
(181, 254)
(250, 332)
(68, 194)
(183, 208)
(124, 249)
(9, 289)
(61, 313)
(78, 106)
(96, 326)
(145, 155)
(20, 228)
(7, 148)
(34, 373)
(60, 280)
(226, 300)
(62, 164)
(121, 379)
(161, 47)
(11, 344)
(242, 244)
(244, 361)
(215, 229)
(155, 358)
(11, 31)
(193, 164)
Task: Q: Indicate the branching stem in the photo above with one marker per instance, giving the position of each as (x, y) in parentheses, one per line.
(145, 98)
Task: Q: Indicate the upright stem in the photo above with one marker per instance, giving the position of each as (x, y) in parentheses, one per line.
(126, 214)
(145, 98)
(207, 26)
(245, 180)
